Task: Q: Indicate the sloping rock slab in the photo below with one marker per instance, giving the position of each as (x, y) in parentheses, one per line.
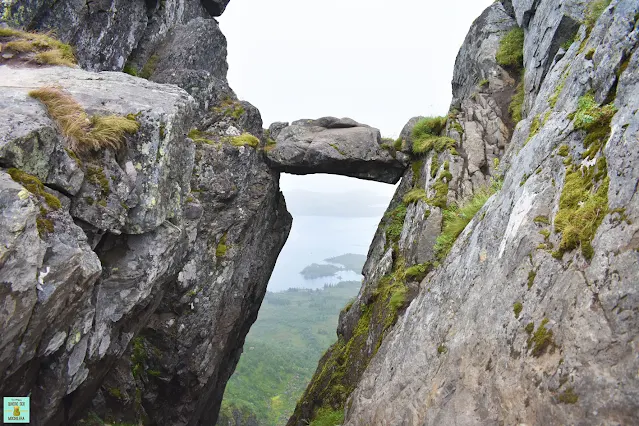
(337, 146)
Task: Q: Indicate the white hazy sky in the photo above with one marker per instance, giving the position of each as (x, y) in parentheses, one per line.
(378, 62)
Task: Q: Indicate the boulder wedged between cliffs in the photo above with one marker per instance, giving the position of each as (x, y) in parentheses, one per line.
(335, 146)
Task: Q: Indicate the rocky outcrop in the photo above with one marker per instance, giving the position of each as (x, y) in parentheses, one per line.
(530, 316)
(336, 146)
(131, 274)
(105, 33)
(142, 248)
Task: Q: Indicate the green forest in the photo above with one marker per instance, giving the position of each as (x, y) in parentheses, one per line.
(282, 350)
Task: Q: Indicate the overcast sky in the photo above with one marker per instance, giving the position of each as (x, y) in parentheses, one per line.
(378, 62)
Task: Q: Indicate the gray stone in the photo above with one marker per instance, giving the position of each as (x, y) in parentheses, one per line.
(275, 128)
(135, 203)
(587, 375)
(338, 146)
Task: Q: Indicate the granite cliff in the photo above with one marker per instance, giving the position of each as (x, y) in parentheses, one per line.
(142, 217)
(501, 285)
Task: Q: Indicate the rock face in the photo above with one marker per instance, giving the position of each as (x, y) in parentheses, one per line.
(530, 318)
(146, 251)
(336, 146)
(130, 277)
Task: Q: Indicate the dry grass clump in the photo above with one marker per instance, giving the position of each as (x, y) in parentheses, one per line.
(46, 49)
(85, 133)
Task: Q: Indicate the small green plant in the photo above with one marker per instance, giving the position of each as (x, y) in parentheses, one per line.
(531, 278)
(245, 139)
(595, 120)
(418, 272)
(328, 417)
(398, 297)
(426, 136)
(542, 220)
(568, 397)
(517, 307)
(116, 393)
(130, 69)
(416, 166)
(540, 339)
(511, 49)
(456, 218)
(517, 103)
(534, 127)
(138, 356)
(563, 151)
(552, 101)
(149, 68)
(414, 195)
(484, 83)
(396, 223)
(220, 250)
(595, 9)
(399, 142)
(200, 137)
(441, 349)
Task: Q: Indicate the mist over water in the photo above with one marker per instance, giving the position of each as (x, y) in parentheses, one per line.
(332, 216)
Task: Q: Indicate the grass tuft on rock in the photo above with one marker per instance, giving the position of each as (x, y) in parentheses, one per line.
(456, 218)
(594, 11)
(414, 195)
(85, 133)
(517, 102)
(426, 136)
(511, 49)
(328, 417)
(46, 49)
(540, 339)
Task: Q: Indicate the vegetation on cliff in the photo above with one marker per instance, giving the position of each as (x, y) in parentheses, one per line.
(282, 349)
(85, 133)
(45, 49)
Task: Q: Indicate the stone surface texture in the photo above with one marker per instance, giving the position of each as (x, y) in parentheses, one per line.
(457, 353)
(129, 278)
(337, 146)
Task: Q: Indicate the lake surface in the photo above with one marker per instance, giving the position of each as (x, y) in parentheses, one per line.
(315, 238)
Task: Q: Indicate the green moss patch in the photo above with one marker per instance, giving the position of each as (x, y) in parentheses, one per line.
(517, 308)
(517, 103)
(220, 250)
(582, 207)
(584, 198)
(245, 139)
(426, 136)
(568, 397)
(541, 339)
(531, 278)
(149, 68)
(230, 108)
(511, 49)
(418, 272)
(594, 11)
(328, 417)
(456, 218)
(414, 195)
(395, 223)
